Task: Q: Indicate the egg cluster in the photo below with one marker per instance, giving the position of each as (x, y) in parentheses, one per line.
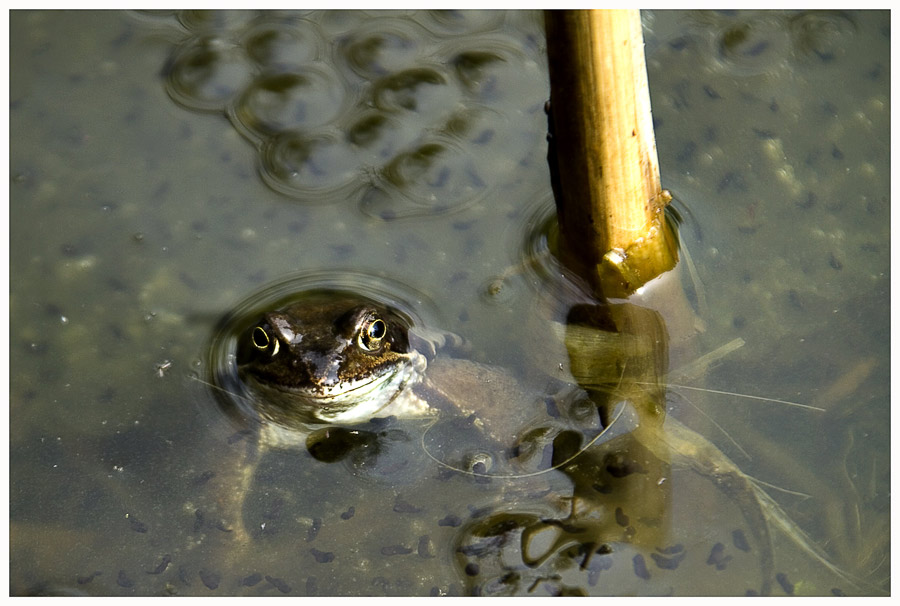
(397, 113)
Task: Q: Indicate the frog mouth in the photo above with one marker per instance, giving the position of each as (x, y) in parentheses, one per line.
(345, 402)
(348, 394)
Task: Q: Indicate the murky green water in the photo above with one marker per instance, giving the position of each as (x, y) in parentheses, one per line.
(164, 169)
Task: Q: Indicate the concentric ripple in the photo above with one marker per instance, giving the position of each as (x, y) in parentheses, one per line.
(752, 46)
(297, 161)
(207, 73)
(274, 103)
(282, 47)
(381, 47)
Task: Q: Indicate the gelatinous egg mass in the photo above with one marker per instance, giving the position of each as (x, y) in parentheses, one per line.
(398, 115)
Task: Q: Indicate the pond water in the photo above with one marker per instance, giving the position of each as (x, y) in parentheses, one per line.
(170, 169)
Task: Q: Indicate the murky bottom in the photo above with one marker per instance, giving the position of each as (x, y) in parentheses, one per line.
(208, 166)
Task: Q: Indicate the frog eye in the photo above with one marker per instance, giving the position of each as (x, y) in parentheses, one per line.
(372, 334)
(261, 340)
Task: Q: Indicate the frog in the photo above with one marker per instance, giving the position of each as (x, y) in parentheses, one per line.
(338, 358)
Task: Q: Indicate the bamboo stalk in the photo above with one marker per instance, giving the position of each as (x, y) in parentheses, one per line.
(609, 198)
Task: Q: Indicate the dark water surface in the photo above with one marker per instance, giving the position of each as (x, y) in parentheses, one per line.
(167, 168)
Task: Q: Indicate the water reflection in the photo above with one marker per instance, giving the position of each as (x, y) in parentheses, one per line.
(618, 354)
(578, 444)
(619, 492)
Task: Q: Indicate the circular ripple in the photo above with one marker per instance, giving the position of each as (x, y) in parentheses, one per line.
(207, 74)
(498, 290)
(283, 46)
(456, 22)
(432, 178)
(545, 275)
(423, 164)
(278, 102)
(216, 20)
(753, 45)
(493, 70)
(476, 151)
(477, 71)
(308, 166)
(378, 448)
(375, 136)
(422, 126)
(821, 34)
(423, 90)
(381, 47)
(370, 128)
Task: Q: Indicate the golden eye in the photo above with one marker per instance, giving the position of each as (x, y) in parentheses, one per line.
(261, 340)
(372, 334)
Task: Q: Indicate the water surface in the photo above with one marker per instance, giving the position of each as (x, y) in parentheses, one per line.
(167, 167)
